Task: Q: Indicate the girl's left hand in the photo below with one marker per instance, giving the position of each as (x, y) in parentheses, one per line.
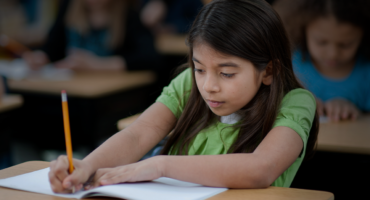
(341, 109)
(145, 170)
(80, 59)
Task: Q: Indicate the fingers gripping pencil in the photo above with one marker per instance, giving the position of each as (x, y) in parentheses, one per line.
(67, 130)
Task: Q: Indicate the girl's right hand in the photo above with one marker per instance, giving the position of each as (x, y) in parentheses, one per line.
(35, 59)
(341, 109)
(63, 182)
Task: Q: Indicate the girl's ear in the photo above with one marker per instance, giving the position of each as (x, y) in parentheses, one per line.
(267, 76)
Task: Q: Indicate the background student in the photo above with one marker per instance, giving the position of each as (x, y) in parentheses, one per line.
(170, 16)
(331, 42)
(237, 112)
(97, 35)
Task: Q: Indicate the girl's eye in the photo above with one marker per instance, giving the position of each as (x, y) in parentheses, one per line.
(321, 43)
(227, 75)
(198, 70)
(344, 46)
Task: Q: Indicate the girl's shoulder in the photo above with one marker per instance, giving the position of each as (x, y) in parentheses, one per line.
(297, 111)
(176, 94)
(299, 95)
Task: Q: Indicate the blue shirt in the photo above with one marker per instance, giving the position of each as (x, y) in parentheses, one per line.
(354, 88)
(95, 41)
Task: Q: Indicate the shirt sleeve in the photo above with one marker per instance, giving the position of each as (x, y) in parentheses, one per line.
(297, 112)
(176, 94)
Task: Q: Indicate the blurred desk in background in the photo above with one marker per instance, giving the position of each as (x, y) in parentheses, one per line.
(10, 101)
(96, 101)
(277, 193)
(86, 84)
(124, 123)
(170, 44)
(346, 136)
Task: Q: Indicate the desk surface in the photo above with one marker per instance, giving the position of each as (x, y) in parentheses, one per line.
(87, 84)
(9, 102)
(171, 44)
(275, 193)
(346, 136)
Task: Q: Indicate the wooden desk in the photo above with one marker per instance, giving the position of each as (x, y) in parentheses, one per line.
(9, 102)
(275, 193)
(346, 136)
(170, 44)
(123, 123)
(87, 84)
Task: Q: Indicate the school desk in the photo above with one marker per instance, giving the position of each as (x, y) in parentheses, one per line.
(171, 44)
(275, 193)
(86, 84)
(9, 102)
(345, 136)
(123, 123)
(97, 100)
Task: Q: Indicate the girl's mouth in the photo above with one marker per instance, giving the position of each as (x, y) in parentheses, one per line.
(214, 104)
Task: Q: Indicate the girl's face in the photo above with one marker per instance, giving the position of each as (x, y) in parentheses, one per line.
(332, 44)
(226, 83)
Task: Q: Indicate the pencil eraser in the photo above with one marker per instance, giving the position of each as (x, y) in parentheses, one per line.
(63, 91)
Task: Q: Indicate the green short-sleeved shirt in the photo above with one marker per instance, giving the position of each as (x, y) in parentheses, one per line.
(297, 112)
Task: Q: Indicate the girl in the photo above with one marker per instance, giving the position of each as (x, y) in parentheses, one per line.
(170, 16)
(331, 39)
(97, 35)
(237, 112)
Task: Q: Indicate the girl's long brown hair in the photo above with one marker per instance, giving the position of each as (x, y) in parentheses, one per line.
(252, 30)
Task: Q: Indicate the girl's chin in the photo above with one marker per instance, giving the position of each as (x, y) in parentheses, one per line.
(220, 112)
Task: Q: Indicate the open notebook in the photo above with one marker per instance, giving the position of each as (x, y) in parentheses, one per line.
(161, 189)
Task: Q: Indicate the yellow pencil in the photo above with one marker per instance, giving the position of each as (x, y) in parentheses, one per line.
(67, 130)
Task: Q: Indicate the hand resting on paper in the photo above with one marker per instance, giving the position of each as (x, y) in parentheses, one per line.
(79, 59)
(63, 182)
(337, 109)
(145, 170)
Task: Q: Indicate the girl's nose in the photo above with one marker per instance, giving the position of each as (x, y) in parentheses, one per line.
(332, 52)
(211, 84)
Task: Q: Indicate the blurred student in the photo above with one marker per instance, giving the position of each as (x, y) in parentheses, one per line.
(27, 21)
(97, 35)
(170, 16)
(331, 42)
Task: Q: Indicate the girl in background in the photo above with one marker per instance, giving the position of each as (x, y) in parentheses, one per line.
(331, 43)
(170, 16)
(239, 117)
(97, 35)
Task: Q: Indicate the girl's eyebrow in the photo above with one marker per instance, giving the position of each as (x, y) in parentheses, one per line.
(195, 60)
(227, 64)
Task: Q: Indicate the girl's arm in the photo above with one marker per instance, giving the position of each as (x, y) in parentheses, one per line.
(127, 146)
(259, 169)
(81, 59)
(133, 142)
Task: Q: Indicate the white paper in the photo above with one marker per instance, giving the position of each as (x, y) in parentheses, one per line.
(161, 189)
(18, 69)
(324, 120)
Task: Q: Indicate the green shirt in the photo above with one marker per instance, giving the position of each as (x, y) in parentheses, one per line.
(297, 112)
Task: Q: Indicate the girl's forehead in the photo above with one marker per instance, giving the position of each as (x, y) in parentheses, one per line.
(332, 27)
(201, 49)
(206, 55)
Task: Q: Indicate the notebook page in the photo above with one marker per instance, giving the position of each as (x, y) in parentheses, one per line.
(162, 188)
